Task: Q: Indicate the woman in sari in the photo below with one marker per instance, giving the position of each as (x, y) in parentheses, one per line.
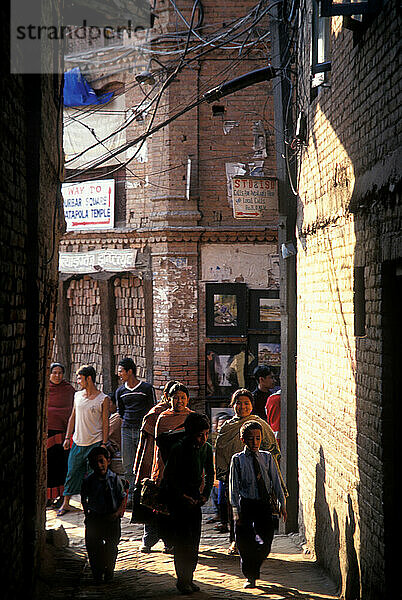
(60, 404)
(229, 443)
(173, 418)
(144, 460)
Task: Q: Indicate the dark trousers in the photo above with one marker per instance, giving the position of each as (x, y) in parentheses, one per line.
(186, 529)
(222, 504)
(255, 519)
(229, 511)
(102, 535)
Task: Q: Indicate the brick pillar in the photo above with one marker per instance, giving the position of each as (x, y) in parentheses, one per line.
(175, 330)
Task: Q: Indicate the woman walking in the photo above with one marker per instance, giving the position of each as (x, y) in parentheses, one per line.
(144, 460)
(229, 443)
(60, 404)
(173, 418)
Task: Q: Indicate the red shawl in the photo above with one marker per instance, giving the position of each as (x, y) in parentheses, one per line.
(60, 405)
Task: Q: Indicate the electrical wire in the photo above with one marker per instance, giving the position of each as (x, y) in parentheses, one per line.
(89, 166)
(157, 98)
(115, 132)
(128, 122)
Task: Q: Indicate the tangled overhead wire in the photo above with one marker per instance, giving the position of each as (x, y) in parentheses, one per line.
(241, 35)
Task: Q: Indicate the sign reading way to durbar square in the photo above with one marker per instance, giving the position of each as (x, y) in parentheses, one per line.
(254, 197)
(89, 204)
(113, 260)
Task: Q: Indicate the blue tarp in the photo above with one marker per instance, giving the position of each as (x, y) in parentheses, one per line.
(78, 92)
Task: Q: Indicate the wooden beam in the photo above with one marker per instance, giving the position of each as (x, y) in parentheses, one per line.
(63, 329)
(107, 323)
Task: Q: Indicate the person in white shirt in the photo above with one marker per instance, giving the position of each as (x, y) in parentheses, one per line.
(88, 427)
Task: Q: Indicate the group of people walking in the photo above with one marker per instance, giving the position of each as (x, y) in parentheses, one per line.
(245, 457)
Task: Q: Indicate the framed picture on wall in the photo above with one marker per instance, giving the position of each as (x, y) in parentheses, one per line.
(263, 349)
(264, 311)
(224, 369)
(226, 309)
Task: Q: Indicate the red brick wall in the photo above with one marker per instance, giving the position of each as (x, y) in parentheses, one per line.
(85, 326)
(129, 328)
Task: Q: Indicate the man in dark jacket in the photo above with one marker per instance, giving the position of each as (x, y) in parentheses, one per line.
(133, 399)
(103, 499)
(266, 385)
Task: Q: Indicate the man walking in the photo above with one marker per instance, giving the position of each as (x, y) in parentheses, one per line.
(88, 425)
(266, 385)
(134, 398)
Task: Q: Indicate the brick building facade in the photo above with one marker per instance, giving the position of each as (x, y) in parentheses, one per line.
(178, 220)
(349, 287)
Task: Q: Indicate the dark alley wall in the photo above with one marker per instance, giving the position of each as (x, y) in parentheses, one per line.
(29, 230)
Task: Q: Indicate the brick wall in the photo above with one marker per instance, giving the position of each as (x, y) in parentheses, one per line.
(175, 309)
(349, 216)
(129, 328)
(29, 176)
(85, 325)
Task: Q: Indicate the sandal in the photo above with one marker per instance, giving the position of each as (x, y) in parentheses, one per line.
(233, 550)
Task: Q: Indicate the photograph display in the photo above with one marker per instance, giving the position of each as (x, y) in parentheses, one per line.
(269, 354)
(269, 310)
(225, 310)
(224, 369)
(265, 311)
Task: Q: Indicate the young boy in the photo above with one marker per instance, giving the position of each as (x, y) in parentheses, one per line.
(103, 500)
(252, 473)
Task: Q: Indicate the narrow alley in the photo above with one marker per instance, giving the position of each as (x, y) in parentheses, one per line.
(287, 574)
(208, 195)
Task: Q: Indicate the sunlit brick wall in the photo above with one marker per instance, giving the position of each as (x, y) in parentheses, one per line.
(348, 217)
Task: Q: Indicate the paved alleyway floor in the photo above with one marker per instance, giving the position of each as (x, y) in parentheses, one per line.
(287, 574)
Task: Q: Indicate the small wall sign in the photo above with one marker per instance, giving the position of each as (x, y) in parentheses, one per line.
(254, 197)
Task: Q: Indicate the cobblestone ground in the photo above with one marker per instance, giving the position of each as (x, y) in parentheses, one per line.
(286, 575)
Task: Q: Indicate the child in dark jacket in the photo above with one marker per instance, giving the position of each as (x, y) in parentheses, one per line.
(187, 482)
(103, 499)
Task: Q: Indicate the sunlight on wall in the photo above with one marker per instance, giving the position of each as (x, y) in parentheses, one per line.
(327, 411)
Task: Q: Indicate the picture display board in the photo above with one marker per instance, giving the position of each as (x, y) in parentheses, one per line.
(234, 312)
(264, 311)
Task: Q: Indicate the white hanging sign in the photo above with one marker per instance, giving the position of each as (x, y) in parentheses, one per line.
(112, 260)
(89, 204)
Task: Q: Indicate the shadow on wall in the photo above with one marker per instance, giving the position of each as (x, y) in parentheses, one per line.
(352, 584)
(326, 543)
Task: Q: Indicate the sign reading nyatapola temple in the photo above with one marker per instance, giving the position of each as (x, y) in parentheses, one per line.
(89, 204)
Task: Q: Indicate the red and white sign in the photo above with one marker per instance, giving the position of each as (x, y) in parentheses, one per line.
(89, 204)
(254, 197)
